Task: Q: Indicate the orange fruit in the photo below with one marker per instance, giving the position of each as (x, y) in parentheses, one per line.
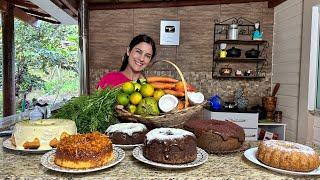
(135, 98)
(123, 99)
(147, 90)
(132, 108)
(128, 87)
(158, 93)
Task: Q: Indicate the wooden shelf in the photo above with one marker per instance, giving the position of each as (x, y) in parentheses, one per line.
(231, 59)
(246, 42)
(238, 77)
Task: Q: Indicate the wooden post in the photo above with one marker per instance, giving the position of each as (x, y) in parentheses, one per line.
(9, 99)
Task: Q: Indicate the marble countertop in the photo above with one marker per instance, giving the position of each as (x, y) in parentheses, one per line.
(22, 165)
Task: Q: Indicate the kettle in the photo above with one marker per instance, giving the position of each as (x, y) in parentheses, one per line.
(233, 32)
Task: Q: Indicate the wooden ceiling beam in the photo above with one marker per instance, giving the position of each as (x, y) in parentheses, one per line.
(162, 4)
(30, 11)
(20, 14)
(274, 3)
(22, 3)
(69, 6)
(46, 19)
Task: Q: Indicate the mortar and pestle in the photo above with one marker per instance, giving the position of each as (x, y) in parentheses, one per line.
(270, 102)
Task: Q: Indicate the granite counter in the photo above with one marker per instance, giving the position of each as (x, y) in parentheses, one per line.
(21, 165)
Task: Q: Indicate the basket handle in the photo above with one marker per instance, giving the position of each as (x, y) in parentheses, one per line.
(186, 103)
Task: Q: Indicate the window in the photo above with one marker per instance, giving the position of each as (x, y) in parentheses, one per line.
(314, 74)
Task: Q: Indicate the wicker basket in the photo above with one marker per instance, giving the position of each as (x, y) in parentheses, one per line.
(172, 119)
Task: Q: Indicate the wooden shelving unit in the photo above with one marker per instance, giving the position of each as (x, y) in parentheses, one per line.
(230, 59)
(238, 77)
(246, 42)
(246, 28)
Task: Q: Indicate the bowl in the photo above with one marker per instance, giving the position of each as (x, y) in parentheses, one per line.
(167, 103)
(225, 71)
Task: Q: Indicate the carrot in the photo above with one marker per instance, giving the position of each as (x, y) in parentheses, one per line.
(161, 79)
(180, 87)
(160, 85)
(180, 105)
(173, 92)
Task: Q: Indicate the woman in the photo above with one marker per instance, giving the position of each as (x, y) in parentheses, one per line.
(140, 52)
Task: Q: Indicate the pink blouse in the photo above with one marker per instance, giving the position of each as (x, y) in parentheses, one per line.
(112, 79)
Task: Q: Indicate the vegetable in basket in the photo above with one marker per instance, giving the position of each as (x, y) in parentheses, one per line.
(91, 113)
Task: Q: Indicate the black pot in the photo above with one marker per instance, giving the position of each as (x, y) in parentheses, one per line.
(234, 52)
(253, 53)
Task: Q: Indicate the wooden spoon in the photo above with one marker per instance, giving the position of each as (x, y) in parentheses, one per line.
(275, 89)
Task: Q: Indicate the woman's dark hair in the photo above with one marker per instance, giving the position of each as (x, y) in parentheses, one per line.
(136, 40)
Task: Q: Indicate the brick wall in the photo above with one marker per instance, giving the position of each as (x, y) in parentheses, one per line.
(111, 31)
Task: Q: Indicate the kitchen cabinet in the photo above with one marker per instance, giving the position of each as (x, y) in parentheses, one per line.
(255, 65)
(278, 128)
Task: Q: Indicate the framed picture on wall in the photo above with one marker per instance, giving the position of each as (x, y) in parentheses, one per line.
(169, 32)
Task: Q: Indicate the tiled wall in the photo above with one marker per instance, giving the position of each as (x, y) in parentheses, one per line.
(111, 31)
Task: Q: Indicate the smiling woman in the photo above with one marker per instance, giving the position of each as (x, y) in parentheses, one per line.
(140, 52)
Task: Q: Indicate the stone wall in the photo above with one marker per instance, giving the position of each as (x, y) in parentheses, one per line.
(111, 31)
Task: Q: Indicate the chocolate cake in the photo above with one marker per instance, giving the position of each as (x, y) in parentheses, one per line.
(216, 136)
(170, 146)
(127, 133)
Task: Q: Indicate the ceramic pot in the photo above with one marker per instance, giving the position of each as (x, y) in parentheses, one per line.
(269, 103)
(253, 53)
(233, 52)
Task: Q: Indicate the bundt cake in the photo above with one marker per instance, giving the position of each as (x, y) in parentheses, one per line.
(127, 133)
(84, 151)
(170, 146)
(288, 155)
(216, 136)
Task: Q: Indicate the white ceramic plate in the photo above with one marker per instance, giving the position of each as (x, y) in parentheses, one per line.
(202, 157)
(7, 144)
(127, 146)
(47, 160)
(250, 154)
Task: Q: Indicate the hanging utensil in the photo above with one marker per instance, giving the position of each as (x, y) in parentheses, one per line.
(275, 89)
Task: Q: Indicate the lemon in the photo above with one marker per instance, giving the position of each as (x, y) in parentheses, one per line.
(135, 98)
(132, 108)
(128, 87)
(137, 86)
(158, 93)
(147, 90)
(123, 99)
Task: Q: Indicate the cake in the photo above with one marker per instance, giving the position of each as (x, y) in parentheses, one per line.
(84, 151)
(127, 133)
(170, 146)
(42, 134)
(216, 136)
(288, 155)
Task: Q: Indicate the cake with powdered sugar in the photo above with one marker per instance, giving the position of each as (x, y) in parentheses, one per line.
(288, 155)
(170, 146)
(127, 133)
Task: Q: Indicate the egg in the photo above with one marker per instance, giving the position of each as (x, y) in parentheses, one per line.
(167, 103)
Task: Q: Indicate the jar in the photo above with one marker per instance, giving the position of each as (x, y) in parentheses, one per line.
(233, 32)
(278, 116)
